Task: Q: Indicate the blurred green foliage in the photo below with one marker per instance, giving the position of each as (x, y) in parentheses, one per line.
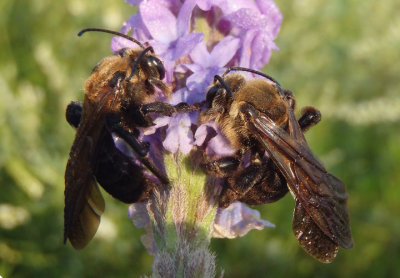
(340, 56)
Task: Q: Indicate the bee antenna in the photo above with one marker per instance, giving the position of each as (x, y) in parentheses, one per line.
(110, 32)
(252, 71)
(222, 82)
(137, 61)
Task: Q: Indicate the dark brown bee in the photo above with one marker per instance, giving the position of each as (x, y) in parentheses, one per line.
(257, 117)
(119, 95)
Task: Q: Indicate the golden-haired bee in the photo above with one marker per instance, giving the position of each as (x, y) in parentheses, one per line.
(257, 117)
(119, 94)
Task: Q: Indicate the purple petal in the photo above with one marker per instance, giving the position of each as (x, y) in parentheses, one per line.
(173, 5)
(246, 19)
(117, 43)
(185, 13)
(237, 220)
(139, 29)
(195, 96)
(194, 67)
(246, 49)
(179, 96)
(185, 44)
(198, 82)
(233, 6)
(159, 20)
(220, 146)
(217, 145)
(159, 47)
(226, 6)
(179, 134)
(186, 95)
(262, 46)
(200, 55)
(206, 5)
(201, 134)
(158, 122)
(169, 67)
(272, 13)
(139, 32)
(223, 52)
(138, 213)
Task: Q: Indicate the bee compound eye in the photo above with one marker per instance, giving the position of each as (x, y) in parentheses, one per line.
(154, 62)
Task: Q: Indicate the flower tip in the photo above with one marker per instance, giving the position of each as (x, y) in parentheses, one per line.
(237, 220)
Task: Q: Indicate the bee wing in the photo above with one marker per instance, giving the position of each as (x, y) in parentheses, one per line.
(310, 237)
(83, 201)
(322, 195)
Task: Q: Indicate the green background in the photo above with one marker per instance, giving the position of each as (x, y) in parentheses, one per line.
(340, 56)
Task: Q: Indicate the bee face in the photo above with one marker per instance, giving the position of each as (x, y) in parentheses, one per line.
(225, 100)
(127, 78)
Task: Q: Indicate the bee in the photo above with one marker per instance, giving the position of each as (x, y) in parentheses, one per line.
(119, 95)
(257, 117)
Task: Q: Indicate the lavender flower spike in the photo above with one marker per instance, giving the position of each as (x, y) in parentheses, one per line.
(195, 39)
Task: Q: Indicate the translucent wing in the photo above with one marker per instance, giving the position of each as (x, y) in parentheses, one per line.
(82, 216)
(83, 201)
(311, 238)
(320, 197)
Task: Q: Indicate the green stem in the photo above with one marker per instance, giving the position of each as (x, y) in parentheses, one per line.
(183, 238)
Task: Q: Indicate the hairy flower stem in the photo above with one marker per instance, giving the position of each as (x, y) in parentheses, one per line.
(183, 223)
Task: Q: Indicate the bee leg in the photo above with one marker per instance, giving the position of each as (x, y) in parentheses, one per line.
(73, 113)
(238, 184)
(258, 183)
(142, 118)
(140, 149)
(270, 187)
(310, 117)
(166, 109)
(160, 85)
(238, 180)
(222, 167)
